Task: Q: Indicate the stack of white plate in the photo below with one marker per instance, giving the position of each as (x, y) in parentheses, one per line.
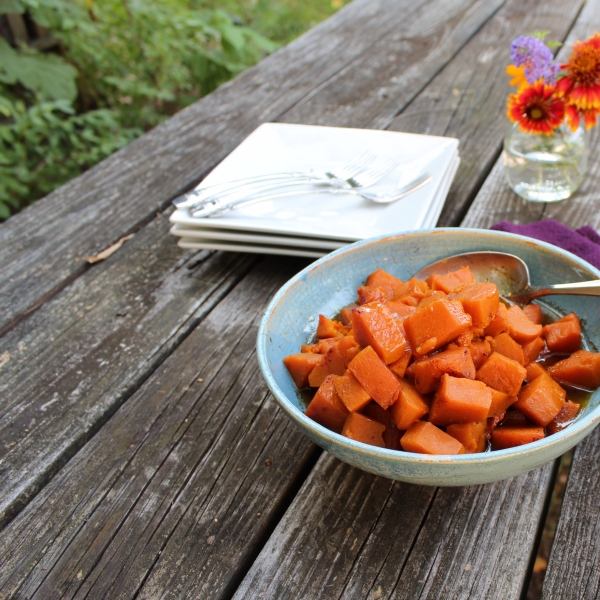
(315, 224)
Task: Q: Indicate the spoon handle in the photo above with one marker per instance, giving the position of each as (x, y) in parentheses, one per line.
(583, 288)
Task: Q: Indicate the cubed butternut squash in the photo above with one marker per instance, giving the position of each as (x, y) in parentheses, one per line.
(510, 437)
(319, 373)
(375, 326)
(500, 403)
(300, 367)
(533, 349)
(564, 335)
(392, 285)
(541, 400)
(326, 407)
(534, 313)
(409, 407)
(470, 435)
(500, 321)
(450, 282)
(480, 300)
(436, 325)
(425, 438)
(399, 366)
(459, 400)
(429, 370)
(340, 354)
(391, 435)
(480, 351)
(375, 377)
(362, 429)
(351, 393)
(519, 327)
(400, 310)
(505, 345)
(328, 328)
(367, 294)
(430, 298)
(564, 418)
(581, 369)
(502, 374)
(534, 370)
(346, 313)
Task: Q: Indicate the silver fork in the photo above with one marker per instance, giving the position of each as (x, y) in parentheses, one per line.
(199, 195)
(360, 180)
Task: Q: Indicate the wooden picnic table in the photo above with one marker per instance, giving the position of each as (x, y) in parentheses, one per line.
(141, 453)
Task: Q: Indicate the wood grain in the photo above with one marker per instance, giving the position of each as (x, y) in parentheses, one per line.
(176, 492)
(573, 569)
(42, 249)
(77, 359)
(349, 534)
(471, 542)
(173, 485)
(62, 381)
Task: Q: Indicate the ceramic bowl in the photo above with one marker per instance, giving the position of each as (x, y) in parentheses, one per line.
(331, 282)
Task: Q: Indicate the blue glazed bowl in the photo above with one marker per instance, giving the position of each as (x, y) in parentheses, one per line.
(331, 282)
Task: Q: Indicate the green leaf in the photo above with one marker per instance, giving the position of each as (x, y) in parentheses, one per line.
(540, 33)
(49, 76)
(8, 63)
(13, 7)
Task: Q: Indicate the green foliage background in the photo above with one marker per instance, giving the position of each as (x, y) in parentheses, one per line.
(123, 66)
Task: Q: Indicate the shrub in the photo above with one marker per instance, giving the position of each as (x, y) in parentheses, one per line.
(125, 65)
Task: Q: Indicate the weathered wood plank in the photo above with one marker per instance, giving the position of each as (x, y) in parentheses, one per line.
(573, 571)
(396, 540)
(371, 91)
(574, 567)
(41, 249)
(177, 490)
(341, 515)
(472, 542)
(73, 363)
(40, 443)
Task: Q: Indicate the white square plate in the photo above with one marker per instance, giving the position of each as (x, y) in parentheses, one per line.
(276, 147)
(266, 243)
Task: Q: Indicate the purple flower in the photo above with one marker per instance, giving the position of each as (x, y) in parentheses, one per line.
(537, 58)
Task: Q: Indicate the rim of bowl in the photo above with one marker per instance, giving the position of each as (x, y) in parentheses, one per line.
(559, 438)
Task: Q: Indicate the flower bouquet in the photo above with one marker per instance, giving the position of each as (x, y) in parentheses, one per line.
(546, 147)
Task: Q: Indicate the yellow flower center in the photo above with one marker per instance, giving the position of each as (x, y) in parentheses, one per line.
(536, 113)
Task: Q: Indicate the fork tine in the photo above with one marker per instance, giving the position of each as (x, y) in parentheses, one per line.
(356, 165)
(374, 174)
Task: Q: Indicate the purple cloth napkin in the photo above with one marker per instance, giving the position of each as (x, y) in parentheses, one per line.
(584, 242)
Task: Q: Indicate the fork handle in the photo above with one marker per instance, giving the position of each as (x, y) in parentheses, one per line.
(266, 187)
(205, 194)
(217, 206)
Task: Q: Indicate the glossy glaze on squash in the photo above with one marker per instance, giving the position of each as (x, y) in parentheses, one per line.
(442, 367)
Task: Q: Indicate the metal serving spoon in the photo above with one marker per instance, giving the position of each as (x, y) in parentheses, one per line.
(509, 273)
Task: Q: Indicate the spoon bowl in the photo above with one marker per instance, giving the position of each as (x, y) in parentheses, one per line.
(509, 273)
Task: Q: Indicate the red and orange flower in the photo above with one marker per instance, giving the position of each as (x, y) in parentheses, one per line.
(536, 108)
(549, 94)
(581, 82)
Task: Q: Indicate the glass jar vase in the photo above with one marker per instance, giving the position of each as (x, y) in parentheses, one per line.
(545, 168)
